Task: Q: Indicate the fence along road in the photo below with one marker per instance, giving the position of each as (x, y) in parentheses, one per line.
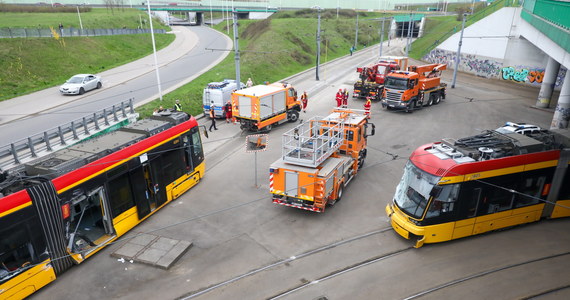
(8, 32)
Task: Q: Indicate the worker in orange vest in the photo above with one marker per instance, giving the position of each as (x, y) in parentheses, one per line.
(339, 97)
(367, 107)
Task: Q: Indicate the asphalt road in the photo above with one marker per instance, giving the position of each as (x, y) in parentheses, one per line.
(245, 247)
(48, 108)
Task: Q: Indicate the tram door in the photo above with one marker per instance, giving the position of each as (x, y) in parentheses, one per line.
(91, 222)
(147, 186)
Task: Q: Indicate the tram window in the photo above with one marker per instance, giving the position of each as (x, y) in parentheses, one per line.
(186, 142)
(532, 188)
(444, 202)
(565, 188)
(172, 164)
(21, 244)
(197, 152)
(473, 202)
(120, 195)
(501, 199)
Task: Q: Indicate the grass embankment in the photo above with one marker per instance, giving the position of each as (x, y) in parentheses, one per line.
(93, 18)
(438, 29)
(276, 48)
(31, 64)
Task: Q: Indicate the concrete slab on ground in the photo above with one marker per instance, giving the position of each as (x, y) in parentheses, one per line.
(153, 250)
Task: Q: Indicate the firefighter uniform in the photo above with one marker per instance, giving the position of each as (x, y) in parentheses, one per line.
(339, 97)
(367, 107)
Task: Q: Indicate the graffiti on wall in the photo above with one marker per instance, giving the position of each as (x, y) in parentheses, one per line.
(535, 76)
(489, 68)
(523, 74)
(510, 73)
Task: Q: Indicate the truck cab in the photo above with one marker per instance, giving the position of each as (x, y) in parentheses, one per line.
(419, 86)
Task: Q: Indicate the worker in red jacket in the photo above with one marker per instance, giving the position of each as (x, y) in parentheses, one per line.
(367, 107)
(339, 97)
(345, 98)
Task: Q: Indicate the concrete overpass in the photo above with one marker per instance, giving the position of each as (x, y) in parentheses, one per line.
(194, 15)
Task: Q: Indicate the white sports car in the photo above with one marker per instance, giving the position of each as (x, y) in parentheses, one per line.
(81, 83)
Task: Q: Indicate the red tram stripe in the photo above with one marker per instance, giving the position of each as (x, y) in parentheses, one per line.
(9, 203)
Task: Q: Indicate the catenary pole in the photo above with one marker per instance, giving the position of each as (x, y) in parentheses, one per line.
(236, 47)
(154, 51)
(458, 57)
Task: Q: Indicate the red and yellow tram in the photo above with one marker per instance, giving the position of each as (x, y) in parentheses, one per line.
(457, 188)
(58, 210)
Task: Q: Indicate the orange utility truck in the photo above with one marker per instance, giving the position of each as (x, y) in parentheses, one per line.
(419, 86)
(262, 106)
(319, 158)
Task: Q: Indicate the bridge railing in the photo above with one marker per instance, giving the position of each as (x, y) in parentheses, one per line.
(14, 155)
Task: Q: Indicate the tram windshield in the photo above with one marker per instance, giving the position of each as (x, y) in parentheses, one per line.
(413, 191)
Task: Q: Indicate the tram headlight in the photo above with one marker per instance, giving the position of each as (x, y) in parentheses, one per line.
(415, 222)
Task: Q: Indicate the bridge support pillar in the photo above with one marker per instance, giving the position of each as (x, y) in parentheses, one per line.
(562, 112)
(547, 86)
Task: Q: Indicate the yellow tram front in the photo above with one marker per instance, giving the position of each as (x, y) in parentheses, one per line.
(497, 179)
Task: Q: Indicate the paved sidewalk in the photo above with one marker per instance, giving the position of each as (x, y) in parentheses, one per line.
(34, 103)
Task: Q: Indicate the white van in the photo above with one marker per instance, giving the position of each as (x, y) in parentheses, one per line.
(218, 94)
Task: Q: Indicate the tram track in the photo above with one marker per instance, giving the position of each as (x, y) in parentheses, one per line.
(306, 254)
(342, 271)
(492, 271)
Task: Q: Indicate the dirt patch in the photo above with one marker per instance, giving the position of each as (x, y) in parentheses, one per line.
(256, 29)
(297, 41)
(300, 57)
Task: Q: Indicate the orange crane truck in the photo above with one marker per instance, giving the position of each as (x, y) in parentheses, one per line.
(262, 106)
(319, 158)
(419, 86)
(370, 81)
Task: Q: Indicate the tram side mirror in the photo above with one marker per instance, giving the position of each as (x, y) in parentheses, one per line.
(436, 191)
(205, 131)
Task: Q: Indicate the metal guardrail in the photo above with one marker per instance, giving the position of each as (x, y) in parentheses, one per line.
(14, 155)
(8, 32)
(312, 142)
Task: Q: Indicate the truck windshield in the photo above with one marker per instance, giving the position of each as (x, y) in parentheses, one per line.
(413, 191)
(396, 83)
(381, 69)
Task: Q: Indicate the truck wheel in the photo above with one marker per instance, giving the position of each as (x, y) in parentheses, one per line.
(431, 98)
(437, 98)
(411, 106)
(361, 158)
(332, 202)
(268, 127)
(340, 192)
(293, 116)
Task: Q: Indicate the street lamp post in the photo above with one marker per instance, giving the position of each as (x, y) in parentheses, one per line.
(382, 36)
(356, 35)
(408, 42)
(154, 52)
(318, 8)
(458, 58)
(236, 48)
(79, 15)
